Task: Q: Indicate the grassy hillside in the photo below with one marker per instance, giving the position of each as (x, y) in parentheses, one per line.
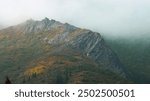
(25, 58)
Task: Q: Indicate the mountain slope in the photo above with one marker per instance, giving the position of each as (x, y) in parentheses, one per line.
(48, 51)
(134, 54)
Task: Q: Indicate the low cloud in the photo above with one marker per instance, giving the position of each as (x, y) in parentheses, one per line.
(109, 17)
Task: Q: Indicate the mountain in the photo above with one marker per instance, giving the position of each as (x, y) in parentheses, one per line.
(49, 51)
(134, 54)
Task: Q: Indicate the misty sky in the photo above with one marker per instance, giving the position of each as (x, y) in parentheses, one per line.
(109, 17)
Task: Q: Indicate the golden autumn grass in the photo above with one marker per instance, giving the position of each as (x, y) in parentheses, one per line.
(34, 70)
(42, 65)
(39, 67)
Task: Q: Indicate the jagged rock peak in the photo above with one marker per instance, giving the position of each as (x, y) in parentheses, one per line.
(46, 20)
(33, 26)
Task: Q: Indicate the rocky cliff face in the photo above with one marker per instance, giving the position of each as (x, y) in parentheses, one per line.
(61, 38)
(93, 45)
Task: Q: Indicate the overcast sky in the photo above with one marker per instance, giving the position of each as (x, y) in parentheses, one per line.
(109, 17)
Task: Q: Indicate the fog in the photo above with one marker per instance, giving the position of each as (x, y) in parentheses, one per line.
(109, 17)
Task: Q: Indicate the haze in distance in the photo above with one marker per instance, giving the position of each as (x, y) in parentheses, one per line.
(110, 18)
